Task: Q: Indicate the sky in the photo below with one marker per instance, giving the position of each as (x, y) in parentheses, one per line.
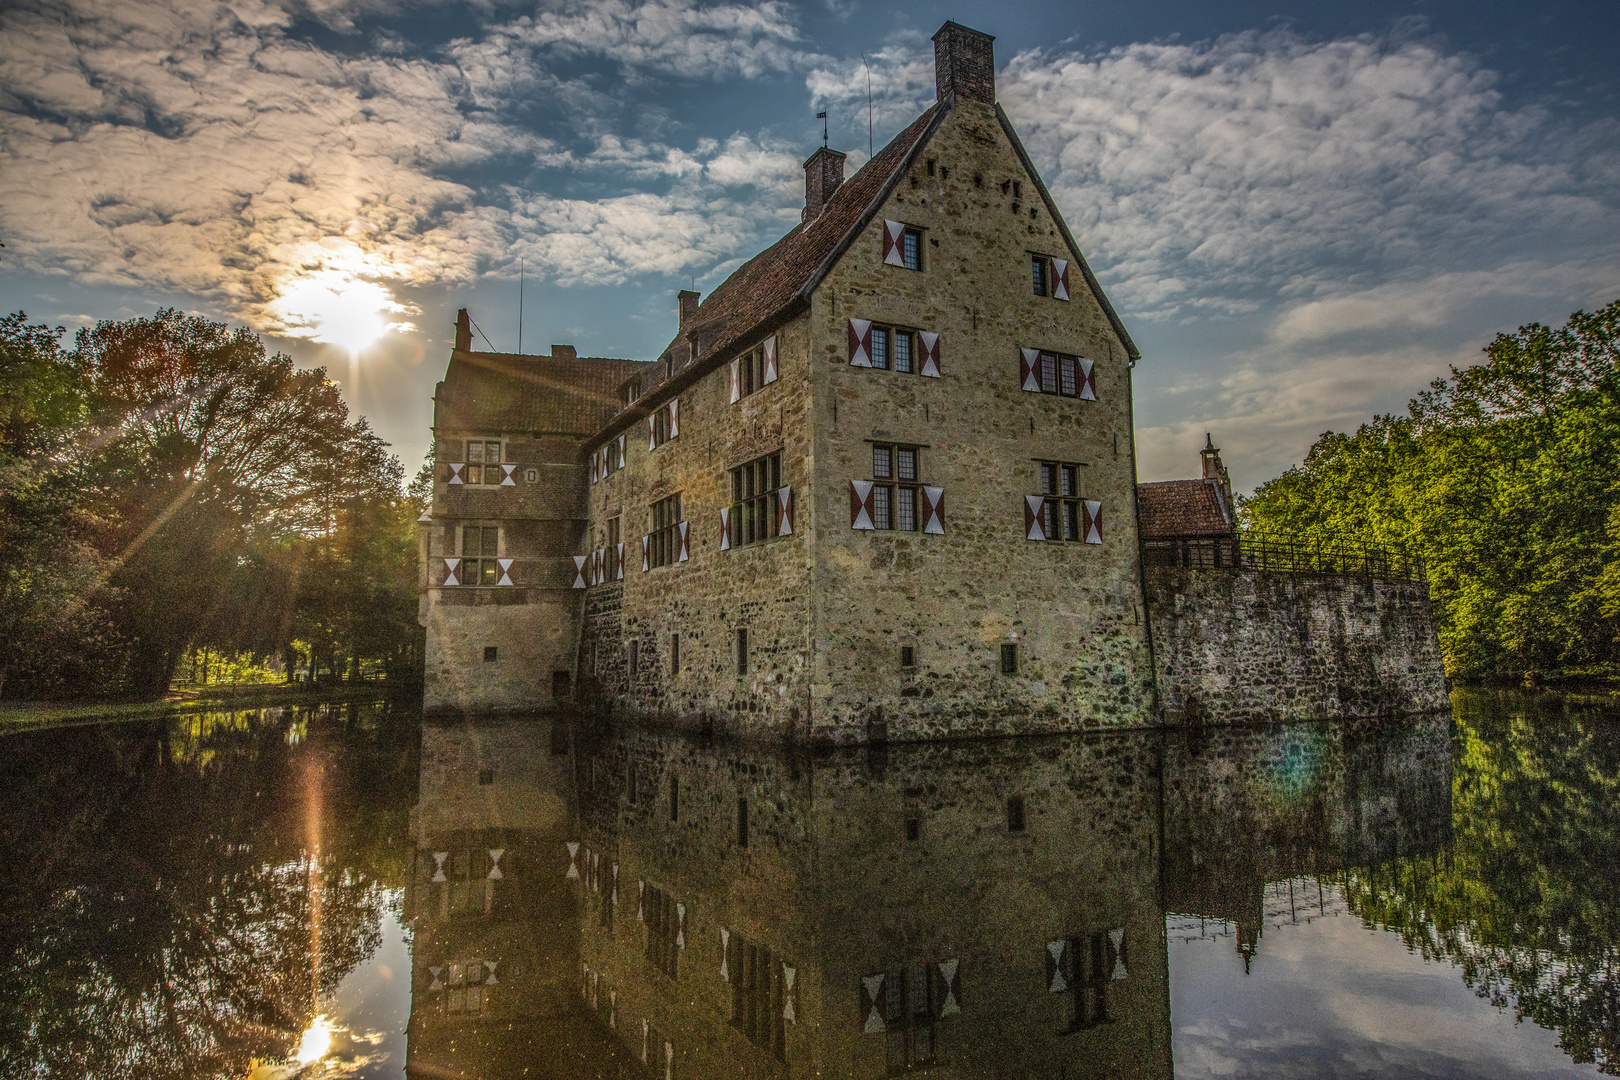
(1303, 213)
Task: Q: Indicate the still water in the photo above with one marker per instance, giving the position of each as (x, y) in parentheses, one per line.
(349, 891)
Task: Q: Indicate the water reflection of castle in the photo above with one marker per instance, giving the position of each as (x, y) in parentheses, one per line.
(642, 904)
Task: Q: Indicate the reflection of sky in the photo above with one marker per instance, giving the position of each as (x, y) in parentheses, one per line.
(1333, 999)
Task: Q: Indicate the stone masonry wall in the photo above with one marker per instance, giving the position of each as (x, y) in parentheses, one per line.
(1239, 646)
(1073, 609)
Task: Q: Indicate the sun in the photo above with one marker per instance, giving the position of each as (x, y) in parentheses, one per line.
(316, 1041)
(336, 307)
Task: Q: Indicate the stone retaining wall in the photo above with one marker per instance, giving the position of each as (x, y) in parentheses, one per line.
(1240, 646)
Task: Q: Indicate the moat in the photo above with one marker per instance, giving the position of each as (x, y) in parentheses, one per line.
(350, 890)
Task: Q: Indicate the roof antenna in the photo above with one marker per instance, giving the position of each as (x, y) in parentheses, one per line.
(868, 107)
(822, 116)
(520, 306)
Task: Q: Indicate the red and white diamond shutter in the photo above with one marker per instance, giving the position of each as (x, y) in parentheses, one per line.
(682, 528)
(1093, 522)
(930, 353)
(860, 504)
(1060, 279)
(725, 528)
(784, 511)
(596, 460)
(652, 433)
(736, 380)
(506, 571)
(860, 343)
(770, 359)
(579, 571)
(646, 559)
(934, 510)
(1088, 381)
(894, 238)
(455, 472)
(674, 417)
(621, 451)
(507, 481)
(1029, 369)
(450, 571)
(1034, 517)
(619, 574)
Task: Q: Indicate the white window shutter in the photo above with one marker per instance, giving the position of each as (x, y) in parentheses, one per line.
(934, 510)
(860, 504)
(450, 571)
(506, 574)
(674, 417)
(1060, 279)
(860, 343)
(736, 380)
(579, 571)
(652, 434)
(770, 359)
(1088, 382)
(725, 528)
(1029, 369)
(596, 459)
(784, 511)
(619, 574)
(455, 472)
(621, 450)
(930, 353)
(894, 234)
(646, 559)
(507, 481)
(1093, 522)
(1034, 517)
(683, 541)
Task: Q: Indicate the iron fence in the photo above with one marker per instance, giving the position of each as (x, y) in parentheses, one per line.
(1271, 553)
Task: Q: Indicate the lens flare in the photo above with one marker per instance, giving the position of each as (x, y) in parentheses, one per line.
(336, 307)
(316, 1042)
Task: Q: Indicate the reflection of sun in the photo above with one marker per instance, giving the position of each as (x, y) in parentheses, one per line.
(316, 1042)
(335, 307)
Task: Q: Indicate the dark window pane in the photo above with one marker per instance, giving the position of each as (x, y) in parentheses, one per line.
(1068, 377)
(1048, 373)
(880, 348)
(880, 462)
(880, 507)
(907, 510)
(1037, 275)
(912, 249)
(906, 463)
(902, 350)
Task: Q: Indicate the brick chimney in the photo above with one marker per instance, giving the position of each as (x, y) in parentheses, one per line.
(564, 352)
(964, 64)
(1215, 472)
(463, 331)
(689, 304)
(823, 175)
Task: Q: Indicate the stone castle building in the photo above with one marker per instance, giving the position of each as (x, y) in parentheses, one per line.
(880, 484)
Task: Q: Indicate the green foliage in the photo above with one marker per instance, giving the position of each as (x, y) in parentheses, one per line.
(1503, 479)
(168, 485)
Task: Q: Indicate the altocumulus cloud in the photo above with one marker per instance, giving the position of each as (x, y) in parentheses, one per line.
(206, 150)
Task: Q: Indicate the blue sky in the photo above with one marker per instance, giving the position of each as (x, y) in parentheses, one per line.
(1302, 215)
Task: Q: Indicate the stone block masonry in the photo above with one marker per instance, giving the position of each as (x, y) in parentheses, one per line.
(1242, 646)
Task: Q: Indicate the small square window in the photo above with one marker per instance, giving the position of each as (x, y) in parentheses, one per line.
(490, 652)
(913, 829)
(908, 656)
(486, 776)
(531, 475)
(1015, 814)
(1009, 658)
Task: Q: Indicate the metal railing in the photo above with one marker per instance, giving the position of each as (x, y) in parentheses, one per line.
(1271, 553)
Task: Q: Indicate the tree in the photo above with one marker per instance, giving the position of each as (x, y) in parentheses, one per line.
(1502, 478)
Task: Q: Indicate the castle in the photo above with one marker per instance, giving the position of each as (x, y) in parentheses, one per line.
(881, 485)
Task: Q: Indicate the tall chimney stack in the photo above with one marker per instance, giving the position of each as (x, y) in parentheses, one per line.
(964, 64)
(823, 174)
(463, 331)
(689, 304)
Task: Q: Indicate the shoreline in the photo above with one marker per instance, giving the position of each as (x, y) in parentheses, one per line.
(35, 715)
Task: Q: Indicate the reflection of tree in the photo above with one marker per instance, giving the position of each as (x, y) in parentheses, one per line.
(1528, 901)
(155, 912)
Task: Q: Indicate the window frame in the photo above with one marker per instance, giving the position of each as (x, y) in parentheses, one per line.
(1065, 378)
(484, 475)
(756, 500)
(664, 537)
(479, 570)
(751, 372)
(1062, 514)
(892, 490)
(891, 334)
(1040, 275)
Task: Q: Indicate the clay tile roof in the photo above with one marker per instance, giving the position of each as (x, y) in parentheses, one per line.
(509, 392)
(772, 283)
(1180, 508)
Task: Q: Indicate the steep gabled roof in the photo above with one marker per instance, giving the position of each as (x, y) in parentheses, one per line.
(1177, 508)
(509, 392)
(769, 288)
